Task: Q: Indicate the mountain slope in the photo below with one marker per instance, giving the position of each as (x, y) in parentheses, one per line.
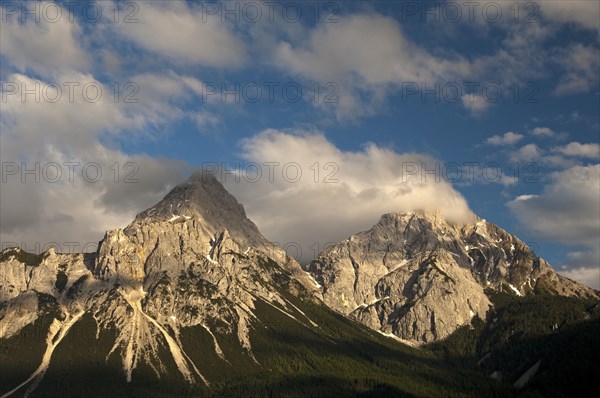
(554, 334)
(190, 299)
(420, 278)
(194, 259)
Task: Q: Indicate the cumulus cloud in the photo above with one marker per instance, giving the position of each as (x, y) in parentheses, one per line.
(576, 149)
(338, 192)
(546, 132)
(568, 212)
(369, 66)
(506, 139)
(543, 132)
(568, 209)
(583, 266)
(46, 47)
(160, 95)
(72, 125)
(47, 207)
(184, 34)
(346, 53)
(60, 183)
(527, 153)
(475, 103)
(589, 276)
(560, 157)
(71, 112)
(347, 47)
(58, 117)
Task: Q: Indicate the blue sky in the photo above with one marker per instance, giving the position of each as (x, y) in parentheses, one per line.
(371, 64)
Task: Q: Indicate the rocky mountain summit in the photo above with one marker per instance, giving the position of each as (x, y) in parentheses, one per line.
(194, 259)
(418, 277)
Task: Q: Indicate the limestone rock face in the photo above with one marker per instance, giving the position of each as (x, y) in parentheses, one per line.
(420, 278)
(21, 271)
(194, 259)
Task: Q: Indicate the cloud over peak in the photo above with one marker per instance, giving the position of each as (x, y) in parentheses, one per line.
(339, 192)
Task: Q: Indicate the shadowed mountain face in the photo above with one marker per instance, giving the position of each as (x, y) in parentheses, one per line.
(190, 293)
(420, 278)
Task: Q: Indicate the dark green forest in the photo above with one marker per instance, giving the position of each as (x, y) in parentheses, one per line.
(561, 332)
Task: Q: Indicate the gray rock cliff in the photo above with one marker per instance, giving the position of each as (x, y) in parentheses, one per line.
(420, 278)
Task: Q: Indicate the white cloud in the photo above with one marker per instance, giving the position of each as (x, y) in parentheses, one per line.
(576, 149)
(74, 214)
(521, 57)
(370, 57)
(557, 161)
(582, 12)
(46, 48)
(523, 198)
(184, 34)
(581, 64)
(72, 206)
(365, 54)
(546, 132)
(508, 138)
(543, 132)
(568, 212)
(528, 52)
(364, 185)
(584, 258)
(568, 209)
(527, 153)
(160, 94)
(562, 157)
(475, 103)
(204, 120)
(589, 276)
(73, 122)
(348, 47)
(58, 118)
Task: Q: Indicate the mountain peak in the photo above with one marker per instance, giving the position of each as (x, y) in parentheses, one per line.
(200, 193)
(201, 209)
(204, 199)
(402, 274)
(435, 217)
